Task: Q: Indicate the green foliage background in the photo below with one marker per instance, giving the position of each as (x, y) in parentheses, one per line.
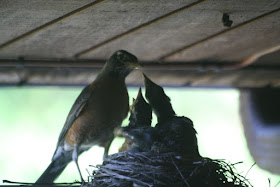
(31, 119)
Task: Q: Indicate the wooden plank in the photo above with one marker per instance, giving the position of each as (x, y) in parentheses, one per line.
(242, 78)
(269, 59)
(91, 27)
(185, 28)
(238, 44)
(20, 16)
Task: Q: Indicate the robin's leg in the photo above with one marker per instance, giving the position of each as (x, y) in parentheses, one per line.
(106, 148)
(75, 159)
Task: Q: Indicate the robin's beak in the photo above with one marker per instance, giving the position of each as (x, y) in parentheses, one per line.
(132, 105)
(133, 65)
(147, 80)
(145, 76)
(139, 92)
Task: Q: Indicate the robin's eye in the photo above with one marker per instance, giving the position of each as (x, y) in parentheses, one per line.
(120, 56)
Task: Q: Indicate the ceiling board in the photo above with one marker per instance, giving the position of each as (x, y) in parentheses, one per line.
(187, 27)
(179, 43)
(236, 44)
(18, 17)
(90, 27)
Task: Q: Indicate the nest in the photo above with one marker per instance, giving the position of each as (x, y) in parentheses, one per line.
(149, 169)
(164, 155)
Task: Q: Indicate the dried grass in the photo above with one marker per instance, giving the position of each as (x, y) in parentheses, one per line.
(150, 169)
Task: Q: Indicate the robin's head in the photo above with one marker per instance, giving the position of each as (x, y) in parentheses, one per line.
(121, 63)
(158, 100)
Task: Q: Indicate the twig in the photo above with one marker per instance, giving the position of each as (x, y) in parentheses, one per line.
(29, 183)
(124, 177)
(182, 176)
(250, 169)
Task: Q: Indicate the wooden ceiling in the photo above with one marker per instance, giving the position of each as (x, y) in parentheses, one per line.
(234, 43)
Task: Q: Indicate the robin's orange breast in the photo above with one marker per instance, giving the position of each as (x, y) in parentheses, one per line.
(105, 110)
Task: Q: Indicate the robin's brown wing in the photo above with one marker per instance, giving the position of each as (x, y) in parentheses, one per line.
(74, 112)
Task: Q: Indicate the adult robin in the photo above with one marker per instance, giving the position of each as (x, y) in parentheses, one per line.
(101, 107)
(174, 133)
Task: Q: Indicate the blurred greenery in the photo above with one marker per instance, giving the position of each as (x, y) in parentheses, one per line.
(31, 119)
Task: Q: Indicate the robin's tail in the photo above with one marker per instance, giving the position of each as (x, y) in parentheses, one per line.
(55, 168)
